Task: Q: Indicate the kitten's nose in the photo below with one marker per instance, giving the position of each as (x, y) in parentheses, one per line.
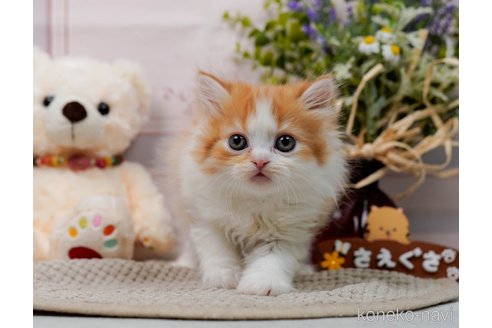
(260, 164)
(74, 112)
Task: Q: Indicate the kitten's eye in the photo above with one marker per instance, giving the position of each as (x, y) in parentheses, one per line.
(237, 142)
(285, 143)
(103, 108)
(48, 100)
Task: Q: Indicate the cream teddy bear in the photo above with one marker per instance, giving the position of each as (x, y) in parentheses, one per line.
(88, 202)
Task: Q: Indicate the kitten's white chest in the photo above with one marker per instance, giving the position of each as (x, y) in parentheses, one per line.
(246, 230)
(263, 221)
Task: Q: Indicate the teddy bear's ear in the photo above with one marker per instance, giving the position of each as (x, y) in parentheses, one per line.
(374, 207)
(41, 59)
(133, 73)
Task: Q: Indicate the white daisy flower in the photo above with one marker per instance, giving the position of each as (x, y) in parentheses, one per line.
(369, 45)
(385, 35)
(391, 52)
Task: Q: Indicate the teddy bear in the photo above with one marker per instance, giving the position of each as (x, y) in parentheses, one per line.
(88, 201)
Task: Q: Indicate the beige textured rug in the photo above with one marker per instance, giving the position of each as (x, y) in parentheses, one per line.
(156, 289)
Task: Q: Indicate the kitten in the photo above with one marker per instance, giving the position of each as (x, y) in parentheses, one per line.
(256, 174)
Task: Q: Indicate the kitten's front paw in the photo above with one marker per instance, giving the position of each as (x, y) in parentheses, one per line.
(259, 283)
(221, 277)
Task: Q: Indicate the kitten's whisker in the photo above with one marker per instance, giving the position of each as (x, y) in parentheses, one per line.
(287, 191)
(293, 191)
(277, 187)
(231, 191)
(235, 192)
(219, 189)
(313, 185)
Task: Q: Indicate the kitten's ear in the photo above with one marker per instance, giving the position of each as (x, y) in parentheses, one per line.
(319, 95)
(211, 92)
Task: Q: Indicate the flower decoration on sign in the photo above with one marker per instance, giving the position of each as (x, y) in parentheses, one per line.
(332, 261)
(448, 255)
(453, 273)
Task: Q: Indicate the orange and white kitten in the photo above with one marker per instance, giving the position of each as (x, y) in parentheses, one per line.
(257, 172)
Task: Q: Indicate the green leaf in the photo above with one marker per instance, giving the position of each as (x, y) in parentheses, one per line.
(254, 32)
(409, 14)
(283, 18)
(261, 39)
(257, 55)
(270, 25)
(267, 58)
(381, 21)
(280, 62)
(438, 94)
(295, 31)
(245, 22)
(374, 110)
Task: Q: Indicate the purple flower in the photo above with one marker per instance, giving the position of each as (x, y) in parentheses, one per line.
(312, 14)
(425, 2)
(350, 13)
(446, 24)
(333, 14)
(434, 28)
(310, 31)
(294, 6)
(420, 18)
(316, 3)
(450, 9)
(442, 20)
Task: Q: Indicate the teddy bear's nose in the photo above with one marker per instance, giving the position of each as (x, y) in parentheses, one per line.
(74, 111)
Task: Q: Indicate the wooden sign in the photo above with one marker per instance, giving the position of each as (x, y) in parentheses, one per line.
(417, 258)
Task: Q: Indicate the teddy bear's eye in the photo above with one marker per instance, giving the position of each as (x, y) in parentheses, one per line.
(48, 100)
(103, 108)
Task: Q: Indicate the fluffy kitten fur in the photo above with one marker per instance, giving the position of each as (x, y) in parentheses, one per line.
(253, 233)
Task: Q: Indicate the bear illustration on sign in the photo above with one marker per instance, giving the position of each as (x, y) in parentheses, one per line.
(387, 223)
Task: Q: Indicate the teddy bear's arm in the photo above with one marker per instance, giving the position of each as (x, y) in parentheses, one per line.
(151, 219)
(41, 244)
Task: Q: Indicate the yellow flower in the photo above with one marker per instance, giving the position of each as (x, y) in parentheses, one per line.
(369, 45)
(385, 35)
(332, 261)
(395, 50)
(391, 52)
